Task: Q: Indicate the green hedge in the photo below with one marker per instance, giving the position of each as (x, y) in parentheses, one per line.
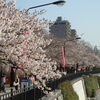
(91, 84)
(68, 91)
(97, 68)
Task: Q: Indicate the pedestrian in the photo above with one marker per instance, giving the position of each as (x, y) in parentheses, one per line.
(3, 81)
(31, 80)
(16, 82)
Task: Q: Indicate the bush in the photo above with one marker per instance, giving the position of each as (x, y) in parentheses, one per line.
(97, 68)
(68, 91)
(88, 91)
(91, 84)
(93, 93)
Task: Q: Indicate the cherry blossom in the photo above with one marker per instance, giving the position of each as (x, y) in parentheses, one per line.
(22, 40)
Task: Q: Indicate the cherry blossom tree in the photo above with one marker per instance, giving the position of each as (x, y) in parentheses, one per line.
(79, 52)
(22, 40)
(26, 47)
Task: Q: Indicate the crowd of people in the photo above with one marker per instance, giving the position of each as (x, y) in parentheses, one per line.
(74, 68)
(3, 81)
(16, 83)
(31, 78)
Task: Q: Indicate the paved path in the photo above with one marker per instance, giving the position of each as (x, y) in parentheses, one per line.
(8, 89)
(8, 92)
(98, 95)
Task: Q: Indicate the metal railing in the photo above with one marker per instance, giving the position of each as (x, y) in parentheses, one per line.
(33, 93)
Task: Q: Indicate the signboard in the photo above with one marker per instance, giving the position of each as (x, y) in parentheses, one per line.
(63, 58)
(24, 83)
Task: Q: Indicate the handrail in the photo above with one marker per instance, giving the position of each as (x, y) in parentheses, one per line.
(37, 94)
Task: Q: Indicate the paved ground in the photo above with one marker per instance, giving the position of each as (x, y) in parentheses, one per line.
(8, 89)
(7, 94)
(98, 95)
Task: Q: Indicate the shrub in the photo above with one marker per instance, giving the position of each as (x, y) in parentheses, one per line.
(97, 68)
(91, 84)
(68, 91)
(93, 93)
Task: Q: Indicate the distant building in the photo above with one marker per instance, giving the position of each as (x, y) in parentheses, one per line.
(62, 28)
(73, 33)
(95, 48)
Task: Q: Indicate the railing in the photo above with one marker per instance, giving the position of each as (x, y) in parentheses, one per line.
(33, 93)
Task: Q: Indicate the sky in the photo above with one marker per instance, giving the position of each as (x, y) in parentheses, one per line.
(84, 16)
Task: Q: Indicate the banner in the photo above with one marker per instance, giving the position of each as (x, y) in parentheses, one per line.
(63, 58)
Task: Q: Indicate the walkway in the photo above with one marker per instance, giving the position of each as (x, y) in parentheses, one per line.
(98, 94)
(8, 89)
(8, 92)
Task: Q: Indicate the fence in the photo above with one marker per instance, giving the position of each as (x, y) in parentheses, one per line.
(33, 93)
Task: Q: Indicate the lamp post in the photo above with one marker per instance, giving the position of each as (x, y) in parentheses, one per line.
(63, 51)
(13, 74)
(60, 2)
(0, 76)
(0, 71)
(70, 40)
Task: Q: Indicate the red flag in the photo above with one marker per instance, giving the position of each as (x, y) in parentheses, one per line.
(63, 58)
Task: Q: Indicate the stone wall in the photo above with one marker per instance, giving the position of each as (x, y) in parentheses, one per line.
(56, 96)
(79, 87)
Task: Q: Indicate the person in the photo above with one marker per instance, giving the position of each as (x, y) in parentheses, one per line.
(30, 82)
(16, 82)
(3, 81)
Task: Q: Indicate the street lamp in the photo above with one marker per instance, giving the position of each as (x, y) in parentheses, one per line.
(0, 76)
(12, 75)
(60, 2)
(71, 40)
(63, 50)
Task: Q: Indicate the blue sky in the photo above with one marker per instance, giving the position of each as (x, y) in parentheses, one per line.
(84, 15)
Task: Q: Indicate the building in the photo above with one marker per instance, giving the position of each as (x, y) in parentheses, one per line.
(62, 29)
(73, 33)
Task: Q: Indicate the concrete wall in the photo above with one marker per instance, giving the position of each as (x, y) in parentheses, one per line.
(79, 87)
(56, 96)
